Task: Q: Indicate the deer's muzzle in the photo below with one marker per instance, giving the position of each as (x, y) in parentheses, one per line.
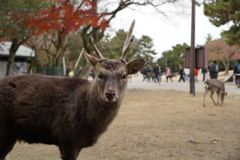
(110, 94)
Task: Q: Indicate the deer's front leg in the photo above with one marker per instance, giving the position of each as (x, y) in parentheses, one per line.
(221, 98)
(204, 95)
(212, 98)
(218, 97)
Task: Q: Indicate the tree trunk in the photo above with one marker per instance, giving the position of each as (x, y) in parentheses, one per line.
(226, 65)
(58, 58)
(59, 51)
(12, 52)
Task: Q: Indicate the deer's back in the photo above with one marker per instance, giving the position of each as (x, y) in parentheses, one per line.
(38, 106)
(214, 85)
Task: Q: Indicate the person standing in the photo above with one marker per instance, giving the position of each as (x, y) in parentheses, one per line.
(204, 72)
(236, 72)
(156, 73)
(148, 75)
(144, 73)
(187, 73)
(168, 74)
(195, 72)
(181, 73)
(214, 70)
(69, 70)
(79, 71)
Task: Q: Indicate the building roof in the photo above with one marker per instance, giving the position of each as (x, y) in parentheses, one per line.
(21, 52)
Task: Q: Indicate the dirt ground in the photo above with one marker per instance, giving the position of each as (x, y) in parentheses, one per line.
(159, 125)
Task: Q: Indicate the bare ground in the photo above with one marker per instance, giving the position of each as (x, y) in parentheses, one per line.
(164, 125)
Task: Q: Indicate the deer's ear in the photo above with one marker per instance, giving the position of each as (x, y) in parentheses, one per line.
(225, 93)
(93, 60)
(135, 65)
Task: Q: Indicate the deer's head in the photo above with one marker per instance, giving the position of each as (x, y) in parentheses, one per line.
(111, 78)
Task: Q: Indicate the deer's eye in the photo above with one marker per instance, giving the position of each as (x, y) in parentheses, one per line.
(124, 76)
(100, 76)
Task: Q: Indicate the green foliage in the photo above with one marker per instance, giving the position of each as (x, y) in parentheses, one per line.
(209, 39)
(145, 50)
(111, 48)
(221, 12)
(14, 13)
(173, 58)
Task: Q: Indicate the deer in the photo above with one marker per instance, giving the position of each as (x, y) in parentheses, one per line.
(214, 85)
(68, 112)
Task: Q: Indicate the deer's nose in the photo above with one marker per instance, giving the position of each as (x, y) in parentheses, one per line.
(110, 94)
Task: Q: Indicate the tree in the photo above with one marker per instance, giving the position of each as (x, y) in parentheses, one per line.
(13, 17)
(22, 19)
(144, 49)
(221, 12)
(173, 58)
(66, 16)
(209, 38)
(111, 9)
(112, 47)
(221, 51)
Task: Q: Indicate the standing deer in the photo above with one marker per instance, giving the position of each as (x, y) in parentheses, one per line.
(70, 113)
(215, 85)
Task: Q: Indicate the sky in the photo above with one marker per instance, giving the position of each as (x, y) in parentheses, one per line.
(167, 32)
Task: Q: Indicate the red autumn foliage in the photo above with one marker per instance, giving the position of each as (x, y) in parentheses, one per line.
(66, 17)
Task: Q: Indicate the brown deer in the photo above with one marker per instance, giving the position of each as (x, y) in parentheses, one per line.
(70, 113)
(215, 85)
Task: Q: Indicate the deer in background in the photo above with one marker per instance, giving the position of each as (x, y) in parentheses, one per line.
(70, 113)
(214, 85)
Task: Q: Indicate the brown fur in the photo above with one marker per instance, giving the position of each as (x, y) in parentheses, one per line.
(68, 112)
(214, 85)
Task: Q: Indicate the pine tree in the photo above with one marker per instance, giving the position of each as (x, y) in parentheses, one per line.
(221, 12)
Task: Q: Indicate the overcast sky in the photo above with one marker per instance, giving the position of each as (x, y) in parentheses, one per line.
(169, 32)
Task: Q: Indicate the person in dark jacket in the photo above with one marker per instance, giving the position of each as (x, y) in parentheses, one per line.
(181, 73)
(236, 72)
(214, 70)
(144, 73)
(68, 70)
(156, 73)
(149, 74)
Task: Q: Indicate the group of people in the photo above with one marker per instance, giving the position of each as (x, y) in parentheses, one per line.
(185, 74)
(213, 71)
(156, 73)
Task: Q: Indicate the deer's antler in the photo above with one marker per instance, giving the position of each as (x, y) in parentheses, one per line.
(127, 42)
(97, 51)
